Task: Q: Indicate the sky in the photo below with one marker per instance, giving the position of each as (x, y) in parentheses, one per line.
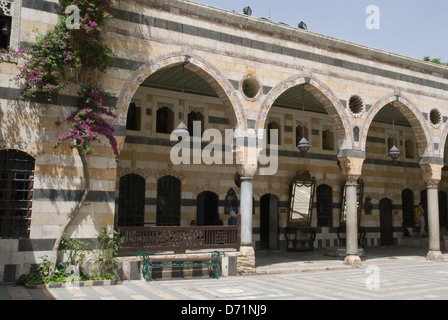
(406, 27)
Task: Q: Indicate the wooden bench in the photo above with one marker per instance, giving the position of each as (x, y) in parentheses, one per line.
(159, 263)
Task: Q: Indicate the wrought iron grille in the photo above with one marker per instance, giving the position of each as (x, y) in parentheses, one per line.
(179, 239)
(168, 201)
(16, 193)
(131, 202)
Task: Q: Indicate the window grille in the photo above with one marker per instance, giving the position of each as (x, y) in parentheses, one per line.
(16, 193)
(168, 201)
(131, 202)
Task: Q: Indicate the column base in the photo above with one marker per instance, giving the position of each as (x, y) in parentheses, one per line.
(353, 260)
(246, 262)
(435, 256)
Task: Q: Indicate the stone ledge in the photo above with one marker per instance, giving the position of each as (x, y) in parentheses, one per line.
(88, 283)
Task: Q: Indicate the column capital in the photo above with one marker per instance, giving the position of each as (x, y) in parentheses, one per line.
(432, 173)
(247, 171)
(351, 168)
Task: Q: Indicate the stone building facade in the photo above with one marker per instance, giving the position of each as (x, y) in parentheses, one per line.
(180, 61)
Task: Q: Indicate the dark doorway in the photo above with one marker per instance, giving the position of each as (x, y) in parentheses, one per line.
(386, 222)
(269, 222)
(407, 205)
(207, 209)
(324, 205)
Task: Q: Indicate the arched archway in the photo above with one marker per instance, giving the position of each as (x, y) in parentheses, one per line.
(192, 62)
(412, 115)
(323, 94)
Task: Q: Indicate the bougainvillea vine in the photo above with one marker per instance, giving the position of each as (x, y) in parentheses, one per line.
(65, 56)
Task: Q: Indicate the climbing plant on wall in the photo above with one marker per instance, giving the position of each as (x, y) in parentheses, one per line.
(73, 55)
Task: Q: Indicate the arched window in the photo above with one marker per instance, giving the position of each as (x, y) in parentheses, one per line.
(5, 27)
(168, 201)
(324, 205)
(270, 137)
(409, 149)
(194, 116)
(231, 202)
(131, 201)
(300, 130)
(10, 23)
(16, 193)
(327, 139)
(134, 117)
(165, 120)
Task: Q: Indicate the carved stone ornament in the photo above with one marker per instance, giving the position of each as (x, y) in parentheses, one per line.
(22, 145)
(169, 172)
(6, 6)
(351, 168)
(132, 170)
(432, 173)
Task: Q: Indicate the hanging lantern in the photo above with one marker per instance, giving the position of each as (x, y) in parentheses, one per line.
(394, 153)
(304, 146)
(181, 131)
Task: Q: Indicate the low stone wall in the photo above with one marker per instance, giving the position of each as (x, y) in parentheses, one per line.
(415, 242)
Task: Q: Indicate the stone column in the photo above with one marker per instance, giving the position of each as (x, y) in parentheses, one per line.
(248, 161)
(351, 168)
(246, 204)
(352, 256)
(246, 262)
(432, 174)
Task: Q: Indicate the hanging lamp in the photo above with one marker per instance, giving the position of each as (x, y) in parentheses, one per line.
(303, 145)
(394, 152)
(182, 130)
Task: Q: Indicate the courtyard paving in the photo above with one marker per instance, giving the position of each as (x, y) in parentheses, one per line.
(392, 273)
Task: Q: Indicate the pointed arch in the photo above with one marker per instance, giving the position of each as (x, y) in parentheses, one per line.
(331, 103)
(410, 112)
(215, 78)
